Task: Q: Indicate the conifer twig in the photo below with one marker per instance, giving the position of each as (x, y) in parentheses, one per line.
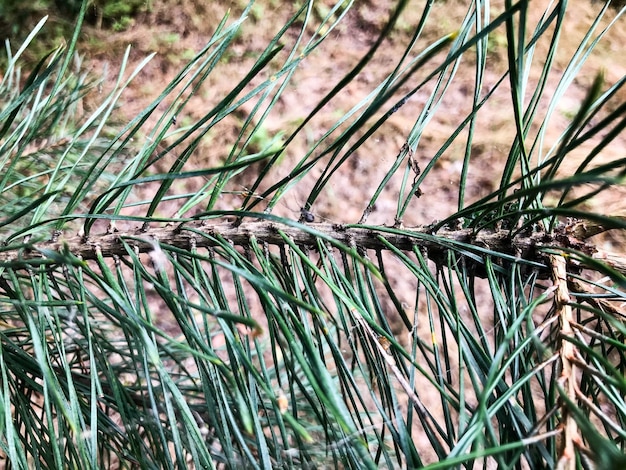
(567, 459)
(518, 247)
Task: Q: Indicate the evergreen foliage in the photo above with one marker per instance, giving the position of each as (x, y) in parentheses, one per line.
(277, 349)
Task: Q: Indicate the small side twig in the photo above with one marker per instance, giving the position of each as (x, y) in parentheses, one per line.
(571, 437)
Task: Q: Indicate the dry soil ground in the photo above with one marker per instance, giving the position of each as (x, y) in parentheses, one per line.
(175, 30)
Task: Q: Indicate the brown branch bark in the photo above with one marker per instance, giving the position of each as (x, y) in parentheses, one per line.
(520, 246)
(567, 459)
(584, 229)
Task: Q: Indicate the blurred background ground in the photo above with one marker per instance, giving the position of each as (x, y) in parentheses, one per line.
(177, 29)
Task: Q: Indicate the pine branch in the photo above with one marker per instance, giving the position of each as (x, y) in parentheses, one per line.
(508, 245)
